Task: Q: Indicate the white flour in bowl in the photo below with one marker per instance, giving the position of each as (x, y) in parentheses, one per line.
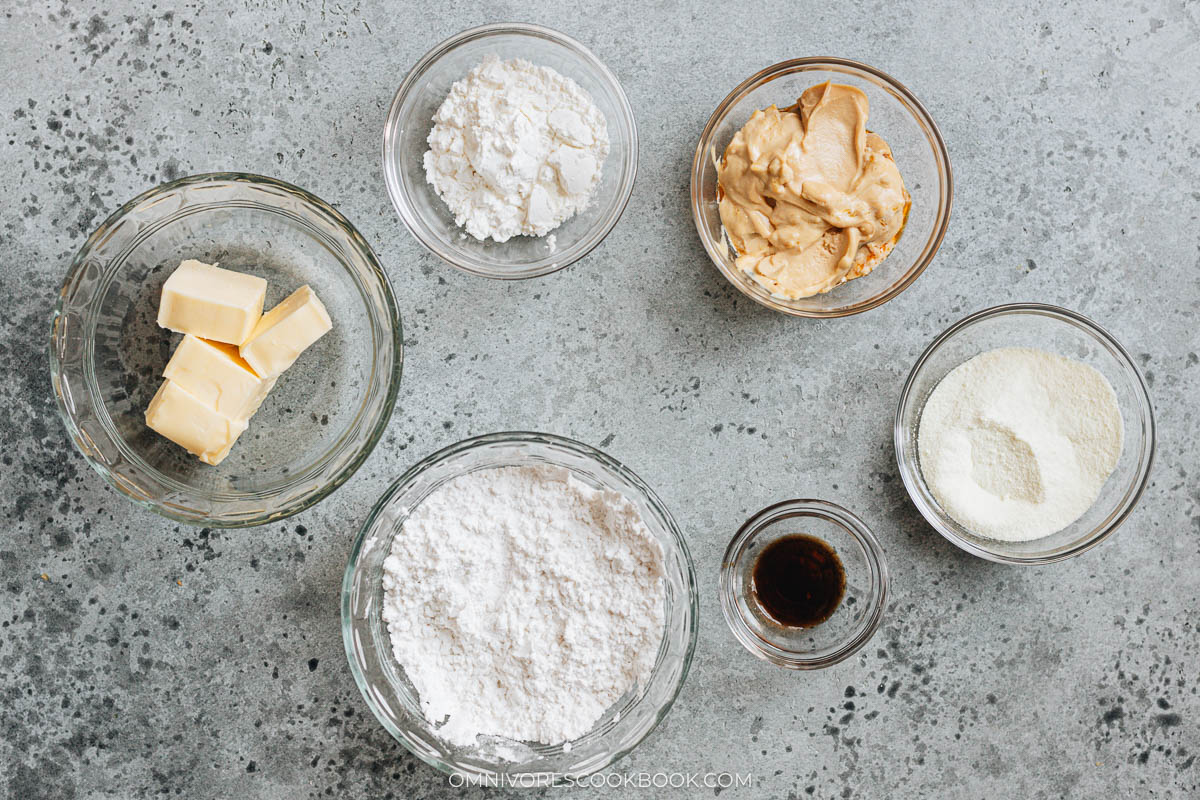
(1016, 443)
(515, 149)
(523, 603)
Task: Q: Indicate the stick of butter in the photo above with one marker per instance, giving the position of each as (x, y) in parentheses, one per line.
(212, 303)
(285, 332)
(191, 424)
(217, 376)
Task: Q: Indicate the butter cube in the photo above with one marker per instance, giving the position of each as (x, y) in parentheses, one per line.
(189, 423)
(285, 332)
(214, 374)
(212, 303)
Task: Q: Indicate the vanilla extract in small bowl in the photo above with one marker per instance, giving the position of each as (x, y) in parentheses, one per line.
(798, 581)
(803, 584)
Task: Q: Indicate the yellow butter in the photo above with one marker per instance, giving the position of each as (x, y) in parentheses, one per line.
(212, 303)
(190, 423)
(285, 332)
(217, 376)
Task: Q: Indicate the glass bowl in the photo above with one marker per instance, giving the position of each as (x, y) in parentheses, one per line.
(107, 352)
(1062, 332)
(410, 120)
(856, 618)
(897, 116)
(389, 693)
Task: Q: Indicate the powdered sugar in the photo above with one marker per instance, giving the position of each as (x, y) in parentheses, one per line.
(515, 149)
(522, 603)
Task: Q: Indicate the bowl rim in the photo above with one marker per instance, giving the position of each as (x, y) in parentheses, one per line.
(692, 605)
(910, 470)
(412, 219)
(933, 135)
(391, 317)
(803, 507)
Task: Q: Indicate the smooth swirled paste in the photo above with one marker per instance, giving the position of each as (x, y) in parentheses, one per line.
(808, 196)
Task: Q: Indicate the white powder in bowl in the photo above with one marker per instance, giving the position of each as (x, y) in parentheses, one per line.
(1016, 443)
(523, 603)
(515, 149)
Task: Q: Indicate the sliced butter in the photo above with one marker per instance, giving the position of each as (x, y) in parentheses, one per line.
(217, 376)
(211, 302)
(189, 423)
(285, 332)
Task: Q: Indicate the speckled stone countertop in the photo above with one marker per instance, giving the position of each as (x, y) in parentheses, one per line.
(139, 658)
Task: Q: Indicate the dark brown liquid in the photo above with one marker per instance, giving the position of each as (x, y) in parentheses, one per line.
(798, 581)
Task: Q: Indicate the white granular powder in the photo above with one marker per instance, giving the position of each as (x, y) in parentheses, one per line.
(515, 149)
(1016, 443)
(522, 603)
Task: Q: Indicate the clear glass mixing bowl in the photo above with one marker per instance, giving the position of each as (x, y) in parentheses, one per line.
(410, 119)
(897, 116)
(381, 678)
(107, 353)
(1062, 332)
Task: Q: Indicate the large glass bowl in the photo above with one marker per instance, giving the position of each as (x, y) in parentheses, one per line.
(107, 352)
(1062, 332)
(388, 691)
(410, 120)
(897, 116)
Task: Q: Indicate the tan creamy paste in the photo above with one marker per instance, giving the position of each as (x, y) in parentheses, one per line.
(809, 197)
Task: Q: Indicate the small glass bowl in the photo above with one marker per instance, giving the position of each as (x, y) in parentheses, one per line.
(107, 353)
(897, 116)
(1062, 332)
(410, 120)
(387, 689)
(856, 618)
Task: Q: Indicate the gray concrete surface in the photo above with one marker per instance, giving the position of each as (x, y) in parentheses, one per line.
(154, 660)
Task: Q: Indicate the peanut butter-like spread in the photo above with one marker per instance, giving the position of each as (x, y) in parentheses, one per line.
(809, 197)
